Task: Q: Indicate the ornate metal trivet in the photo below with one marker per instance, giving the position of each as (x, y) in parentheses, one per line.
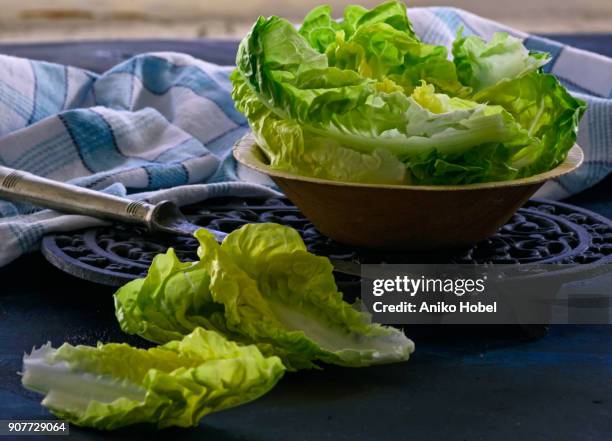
(540, 232)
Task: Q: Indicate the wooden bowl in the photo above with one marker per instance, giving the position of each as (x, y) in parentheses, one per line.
(408, 217)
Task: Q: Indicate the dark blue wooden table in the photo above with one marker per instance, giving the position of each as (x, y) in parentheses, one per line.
(463, 383)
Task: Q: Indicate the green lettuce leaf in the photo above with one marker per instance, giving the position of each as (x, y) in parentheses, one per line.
(352, 15)
(290, 147)
(391, 13)
(114, 385)
(319, 28)
(260, 286)
(345, 101)
(550, 115)
(438, 126)
(481, 64)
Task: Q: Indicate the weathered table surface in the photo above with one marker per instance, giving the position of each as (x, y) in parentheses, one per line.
(463, 383)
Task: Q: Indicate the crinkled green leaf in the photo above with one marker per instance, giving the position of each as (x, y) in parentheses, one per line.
(291, 148)
(481, 64)
(340, 101)
(114, 385)
(352, 15)
(429, 63)
(319, 28)
(392, 13)
(266, 289)
(540, 104)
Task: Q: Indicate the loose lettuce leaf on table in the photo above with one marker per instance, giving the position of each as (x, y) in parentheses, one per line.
(260, 286)
(115, 385)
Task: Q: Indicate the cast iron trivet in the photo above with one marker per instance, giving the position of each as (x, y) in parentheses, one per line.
(540, 232)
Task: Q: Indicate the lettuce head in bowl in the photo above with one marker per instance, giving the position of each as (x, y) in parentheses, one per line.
(365, 100)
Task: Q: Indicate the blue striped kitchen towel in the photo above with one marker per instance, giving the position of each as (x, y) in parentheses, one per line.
(158, 126)
(162, 125)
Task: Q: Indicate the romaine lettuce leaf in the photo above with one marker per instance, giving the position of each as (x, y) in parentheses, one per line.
(540, 104)
(319, 28)
(292, 148)
(391, 13)
(334, 98)
(114, 385)
(260, 286)
(481, 64)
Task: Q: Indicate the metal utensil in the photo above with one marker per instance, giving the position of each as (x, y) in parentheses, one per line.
(163, 217)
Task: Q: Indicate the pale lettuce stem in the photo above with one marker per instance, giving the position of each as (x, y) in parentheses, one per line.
(67, 387)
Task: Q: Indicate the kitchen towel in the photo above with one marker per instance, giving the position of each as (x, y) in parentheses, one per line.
(161, 126)
(158, 126)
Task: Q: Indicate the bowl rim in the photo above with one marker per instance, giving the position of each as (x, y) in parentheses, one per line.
(244, 153)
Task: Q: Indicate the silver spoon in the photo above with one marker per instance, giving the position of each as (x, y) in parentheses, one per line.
(165, 216)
